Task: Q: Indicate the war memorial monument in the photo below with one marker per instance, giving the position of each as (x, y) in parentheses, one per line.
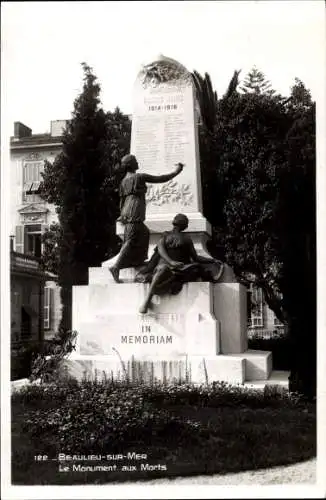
(163, 307)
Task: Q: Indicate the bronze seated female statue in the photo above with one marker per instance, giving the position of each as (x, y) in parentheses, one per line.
(175, 262)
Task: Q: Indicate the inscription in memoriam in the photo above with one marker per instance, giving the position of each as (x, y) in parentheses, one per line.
(146, 329)
(146, 339)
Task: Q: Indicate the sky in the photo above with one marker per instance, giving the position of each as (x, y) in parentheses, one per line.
(43, 44)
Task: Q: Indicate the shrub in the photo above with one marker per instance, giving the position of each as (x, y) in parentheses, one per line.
(46, 364)
(90, 416)
(220, 394)
(192, 429)
(22, 356)
(81, 413)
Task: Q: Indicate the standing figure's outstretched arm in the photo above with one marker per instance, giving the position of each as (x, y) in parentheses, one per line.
(156, 179)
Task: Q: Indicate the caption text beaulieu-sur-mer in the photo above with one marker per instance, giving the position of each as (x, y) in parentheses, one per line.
(130, 456)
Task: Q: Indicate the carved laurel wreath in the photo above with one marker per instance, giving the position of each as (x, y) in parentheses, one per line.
(162, 72)
(169, 192)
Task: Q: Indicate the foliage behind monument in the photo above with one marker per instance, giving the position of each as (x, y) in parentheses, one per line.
(258, 169)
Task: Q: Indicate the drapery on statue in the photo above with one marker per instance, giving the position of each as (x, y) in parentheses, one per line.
(175, 262)
(132, 192)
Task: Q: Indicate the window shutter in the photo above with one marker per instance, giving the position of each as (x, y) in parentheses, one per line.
(44, 227)
(48, 307)
(20, 239)
(51, 315)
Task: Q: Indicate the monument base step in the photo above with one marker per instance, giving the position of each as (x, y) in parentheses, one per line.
(277, 378)
(233, 369)
(195, 369)
(258, 364)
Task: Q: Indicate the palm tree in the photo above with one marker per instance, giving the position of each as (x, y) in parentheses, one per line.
(208, 100)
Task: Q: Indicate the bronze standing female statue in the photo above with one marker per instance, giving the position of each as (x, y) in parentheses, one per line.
(132, 214)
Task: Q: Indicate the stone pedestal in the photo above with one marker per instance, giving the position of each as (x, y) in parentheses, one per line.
(199, 230)
(230, 306)
(198, 335)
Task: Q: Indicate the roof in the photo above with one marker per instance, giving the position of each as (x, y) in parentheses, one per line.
(35, 140)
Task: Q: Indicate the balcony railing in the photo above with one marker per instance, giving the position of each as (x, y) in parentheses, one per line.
(264, 333)
(24, 261)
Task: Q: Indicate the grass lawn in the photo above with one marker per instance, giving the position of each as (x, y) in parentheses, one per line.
(202, 431)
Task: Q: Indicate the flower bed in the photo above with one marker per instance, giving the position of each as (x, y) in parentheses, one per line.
(176, 430)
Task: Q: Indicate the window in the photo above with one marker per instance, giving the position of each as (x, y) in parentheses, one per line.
(32, 240)
(277, 322)
(31, 180)
(48, 300)
(26, 323)
(29, 239)
(256, 318)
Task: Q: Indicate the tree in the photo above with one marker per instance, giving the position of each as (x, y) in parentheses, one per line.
(250, 138)
(209, 117)
(117, 144)
(300, 99)
(51, 240)
(299, 262)
(256, 83)
(207, 100)
(79, 183)
(262, 150)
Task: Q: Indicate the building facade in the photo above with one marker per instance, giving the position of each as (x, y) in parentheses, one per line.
(27, 284)
(30, 216)
(262, 320)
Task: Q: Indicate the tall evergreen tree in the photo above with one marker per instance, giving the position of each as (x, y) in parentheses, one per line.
(117, 144)
(77, 184)
(256, 83)
(298, 280)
